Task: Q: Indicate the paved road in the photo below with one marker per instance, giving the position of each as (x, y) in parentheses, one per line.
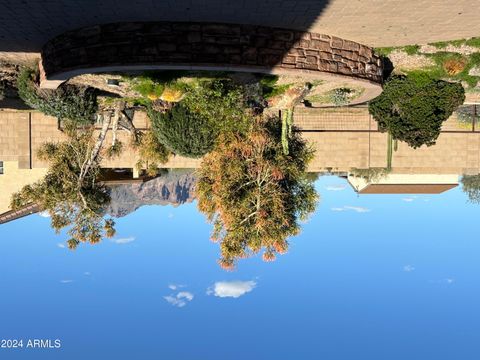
(25, 25)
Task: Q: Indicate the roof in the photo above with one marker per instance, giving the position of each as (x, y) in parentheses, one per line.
(17, 214)
(406, 188)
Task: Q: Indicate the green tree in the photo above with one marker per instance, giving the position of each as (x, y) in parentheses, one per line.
(471, 186)
(253, 193)
(68, 102)
(184, 132)
(412, 109)
(151, 152)
(70, 191)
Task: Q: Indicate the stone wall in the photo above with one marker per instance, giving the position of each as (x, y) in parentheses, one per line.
(142, 45)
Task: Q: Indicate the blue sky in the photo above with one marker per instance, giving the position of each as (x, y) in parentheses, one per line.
(370, 277)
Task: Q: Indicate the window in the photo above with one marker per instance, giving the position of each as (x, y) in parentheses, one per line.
(1, 167)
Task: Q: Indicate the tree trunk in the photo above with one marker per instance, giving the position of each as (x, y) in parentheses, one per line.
(96, 149)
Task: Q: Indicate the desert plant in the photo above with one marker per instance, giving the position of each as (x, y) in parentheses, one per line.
(172, 94)
(287, 122)
(68, 102)
(339, 97)
(220, 101)
(151, 153)
(412, 109)
(115, 150)
(183, 131)
(454, 66)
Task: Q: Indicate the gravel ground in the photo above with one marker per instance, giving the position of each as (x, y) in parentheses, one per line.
(19, 58)
(99, 81)
(402, 61)
(462, 49)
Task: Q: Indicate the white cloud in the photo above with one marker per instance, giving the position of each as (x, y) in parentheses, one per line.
(87, 273)
(409, 199)
(447, 281)
(179, 300)
(357, 209)
(44, 214)
(185, 295)
(233, 289)
(336, 187)
(61, 245)
(66, 281)
(123, 240)
(171, 215)
(408, 268)
(175, 286)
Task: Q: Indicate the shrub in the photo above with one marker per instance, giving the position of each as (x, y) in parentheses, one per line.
(220, 101)
(184, 132)
(270, 88)
(339, 97)
(171, 94)
(413, 109)
(67, 102)
(411, 49)
(454, 66)
(151, 153)
(115, 150)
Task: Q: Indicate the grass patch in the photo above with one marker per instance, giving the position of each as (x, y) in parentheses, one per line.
(475, 42)
(152, 84)
(411, 49)
(270, 87)
(451, 66)
(384, 51)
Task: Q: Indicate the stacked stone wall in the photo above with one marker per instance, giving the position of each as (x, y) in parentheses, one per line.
(203, 45)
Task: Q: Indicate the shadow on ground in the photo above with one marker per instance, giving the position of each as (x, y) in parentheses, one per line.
(27, 25)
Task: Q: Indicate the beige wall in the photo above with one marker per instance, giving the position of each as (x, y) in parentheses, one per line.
(337, 148)
(15, 143)
(15, 179)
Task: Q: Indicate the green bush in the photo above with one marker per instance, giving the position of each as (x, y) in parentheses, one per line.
(67, 102)
(412, 109)
(184, 132)
(220, 101)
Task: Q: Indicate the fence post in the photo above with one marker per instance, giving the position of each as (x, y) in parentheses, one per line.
(474, 117)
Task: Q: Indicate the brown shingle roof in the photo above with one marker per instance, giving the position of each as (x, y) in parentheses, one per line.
(406, 188)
